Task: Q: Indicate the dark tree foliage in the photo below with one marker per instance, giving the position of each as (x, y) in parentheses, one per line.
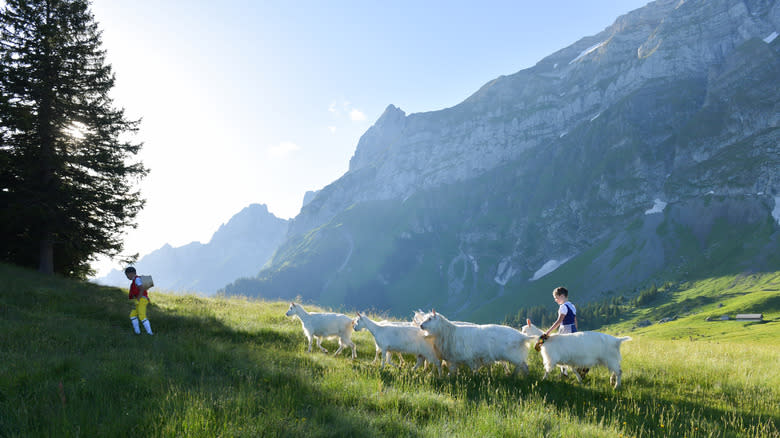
(593, 315)
(540, 316)
(66, 172)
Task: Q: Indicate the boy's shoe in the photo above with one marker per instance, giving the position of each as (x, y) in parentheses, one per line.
(148, 327)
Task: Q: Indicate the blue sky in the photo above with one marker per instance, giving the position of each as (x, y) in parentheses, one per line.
(260, 101)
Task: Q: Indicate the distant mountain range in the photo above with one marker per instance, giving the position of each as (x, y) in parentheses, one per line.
(646, 152)
(238, 249)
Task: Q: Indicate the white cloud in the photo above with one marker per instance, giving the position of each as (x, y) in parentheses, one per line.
(340, 108)
(332, 129)
(282, 149)
(357, 115)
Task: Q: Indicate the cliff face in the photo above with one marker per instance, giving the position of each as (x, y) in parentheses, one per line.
(665, 43)
(553, 170)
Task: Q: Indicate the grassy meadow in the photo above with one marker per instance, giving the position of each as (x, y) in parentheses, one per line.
(233, 367)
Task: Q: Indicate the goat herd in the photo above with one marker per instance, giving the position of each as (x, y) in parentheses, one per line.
(435, 340)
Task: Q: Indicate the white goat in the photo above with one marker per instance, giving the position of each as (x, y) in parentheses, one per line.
(378, 351)
(476, 345)
(419, 317)
(404, 339)
(579, 350)
(324, 325)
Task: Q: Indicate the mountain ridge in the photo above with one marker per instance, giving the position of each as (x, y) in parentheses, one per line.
(532, 106)
(675, 103)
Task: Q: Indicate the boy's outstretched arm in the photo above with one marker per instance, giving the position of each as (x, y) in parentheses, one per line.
(556, 324)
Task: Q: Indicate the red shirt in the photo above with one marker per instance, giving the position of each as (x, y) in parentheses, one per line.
(135, 289)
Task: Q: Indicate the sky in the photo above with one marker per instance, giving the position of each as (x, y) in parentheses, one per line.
(260, 101)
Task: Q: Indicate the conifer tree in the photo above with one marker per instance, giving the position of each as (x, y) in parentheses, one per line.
(68, 173)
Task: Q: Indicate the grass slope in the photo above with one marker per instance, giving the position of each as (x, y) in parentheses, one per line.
(693, 303)
(236, 367)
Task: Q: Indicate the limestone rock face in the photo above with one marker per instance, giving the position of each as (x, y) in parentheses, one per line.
(557, 165)
(666, 41)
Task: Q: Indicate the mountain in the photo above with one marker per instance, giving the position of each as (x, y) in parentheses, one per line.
(644, 153)
(239, 248)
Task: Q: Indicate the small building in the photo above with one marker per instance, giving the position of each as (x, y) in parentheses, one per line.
(750, 317)
(724, 318)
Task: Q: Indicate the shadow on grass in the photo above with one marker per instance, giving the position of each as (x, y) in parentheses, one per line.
(281, 387)
(646, 412)
(74, 366)
(635, 406)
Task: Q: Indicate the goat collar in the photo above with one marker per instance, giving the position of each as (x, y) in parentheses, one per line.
(539, 343)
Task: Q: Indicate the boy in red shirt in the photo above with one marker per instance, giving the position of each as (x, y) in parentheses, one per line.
(138, 293)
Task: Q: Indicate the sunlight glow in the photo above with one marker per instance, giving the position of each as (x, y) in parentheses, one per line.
(76, 130)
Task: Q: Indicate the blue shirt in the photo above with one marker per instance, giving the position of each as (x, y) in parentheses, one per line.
(570, 312)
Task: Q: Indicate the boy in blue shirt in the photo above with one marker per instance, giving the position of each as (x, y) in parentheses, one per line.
(567, 313)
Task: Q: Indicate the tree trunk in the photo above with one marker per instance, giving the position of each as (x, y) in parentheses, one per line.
(46, 265)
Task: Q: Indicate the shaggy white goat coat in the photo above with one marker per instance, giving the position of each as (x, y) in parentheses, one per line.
(580, 350)
(476, 345)
(378, 351)
(324, 325)
(399, 338)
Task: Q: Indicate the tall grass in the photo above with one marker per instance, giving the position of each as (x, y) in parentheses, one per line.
(236, 367)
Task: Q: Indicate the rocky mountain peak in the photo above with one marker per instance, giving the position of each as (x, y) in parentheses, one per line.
(379, 138)
(612, 162)
(401, 154)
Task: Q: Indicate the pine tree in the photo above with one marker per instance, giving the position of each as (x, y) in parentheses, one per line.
(67, 179)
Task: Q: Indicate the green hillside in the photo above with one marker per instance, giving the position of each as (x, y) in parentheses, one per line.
(424, 253)
(237, 367)
(691, 305)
